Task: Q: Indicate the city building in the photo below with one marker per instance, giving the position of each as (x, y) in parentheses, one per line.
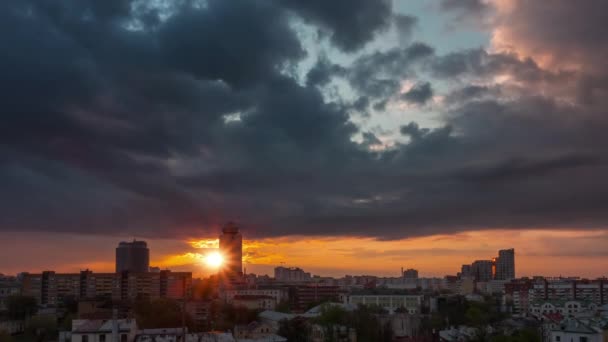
(7, 289)
(291, 275)
(465, 271)
(410, 274)
(278, 294)
(256, 331)
(132, 256)
(51, 289)
(595, 291)
(254, 302)
(505, 264)
(565, 308)
(517, 295)
(84, 330)
(579, 330)
(411, 303)
(231, 248)
(304, 296)
(482, 270)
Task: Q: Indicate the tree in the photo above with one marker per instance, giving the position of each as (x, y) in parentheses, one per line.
(21, 307)
(42, 328)
(295, 330)
(160, 313)
(5, 337)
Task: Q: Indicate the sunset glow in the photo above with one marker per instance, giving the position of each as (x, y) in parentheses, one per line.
(214, 260)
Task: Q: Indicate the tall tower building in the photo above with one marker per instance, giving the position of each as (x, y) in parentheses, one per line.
(132, 256)
(505, 264)
(231, 248)
(482, 270)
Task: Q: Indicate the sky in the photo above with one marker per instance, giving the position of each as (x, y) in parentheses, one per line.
(375, 134)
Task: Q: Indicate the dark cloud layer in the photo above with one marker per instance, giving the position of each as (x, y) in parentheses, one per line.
(126, 118)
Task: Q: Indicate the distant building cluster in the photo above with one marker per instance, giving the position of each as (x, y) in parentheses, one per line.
(501, 267)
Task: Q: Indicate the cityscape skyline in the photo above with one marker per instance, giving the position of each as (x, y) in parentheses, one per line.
(256, 261)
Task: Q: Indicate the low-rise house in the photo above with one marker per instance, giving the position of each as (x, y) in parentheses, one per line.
(567, 308)
(256, 331)
(579, 330)
(255, 302)
(338, 333)
(84, 330)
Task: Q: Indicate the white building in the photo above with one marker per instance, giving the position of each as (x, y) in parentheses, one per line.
(577, 330)
(568, 308)
(85, 330)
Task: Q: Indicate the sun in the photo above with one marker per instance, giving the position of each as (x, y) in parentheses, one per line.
(214, 259)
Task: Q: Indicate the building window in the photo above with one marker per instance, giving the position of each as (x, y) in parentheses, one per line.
(558, 338)
(582, 339)
(85, 338)
(102, 338)
(123, 338)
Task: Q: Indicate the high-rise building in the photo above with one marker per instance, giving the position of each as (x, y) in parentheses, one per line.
(132, 256)
(482, 270)
(291, 274)
(505, 264)
(410, 273)
(231, 248)
(465, 271)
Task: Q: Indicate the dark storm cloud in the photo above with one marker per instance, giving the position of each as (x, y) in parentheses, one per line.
(420, 93)
(170, 121)
(351, 23)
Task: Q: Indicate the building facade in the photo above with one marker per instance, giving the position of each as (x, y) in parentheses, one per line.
(482, 270)
(505, 264)
(411, 303)
(132, 256)
(51, 289)
(291, 275)
(231, 248)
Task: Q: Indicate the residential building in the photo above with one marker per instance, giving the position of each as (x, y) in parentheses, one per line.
(133, 257)
(254, 302)
(291, 275)
(304, 296)
(505, 264)
(565, 308)
(256, 331)
(410, 273)
(278, 294)
(84, 330)
(595, 291)
(411, 303)
(7, 289)
(578, 330)
(175, 285)
(517, 295)
(465, 271)
(482, 270)
(50, 288)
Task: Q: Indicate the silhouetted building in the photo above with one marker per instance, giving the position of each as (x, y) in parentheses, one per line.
(231, 248)
(291, 274)
(410, 273)
(132, 256)
(505, 264)
(465, 271)
(482, 270)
